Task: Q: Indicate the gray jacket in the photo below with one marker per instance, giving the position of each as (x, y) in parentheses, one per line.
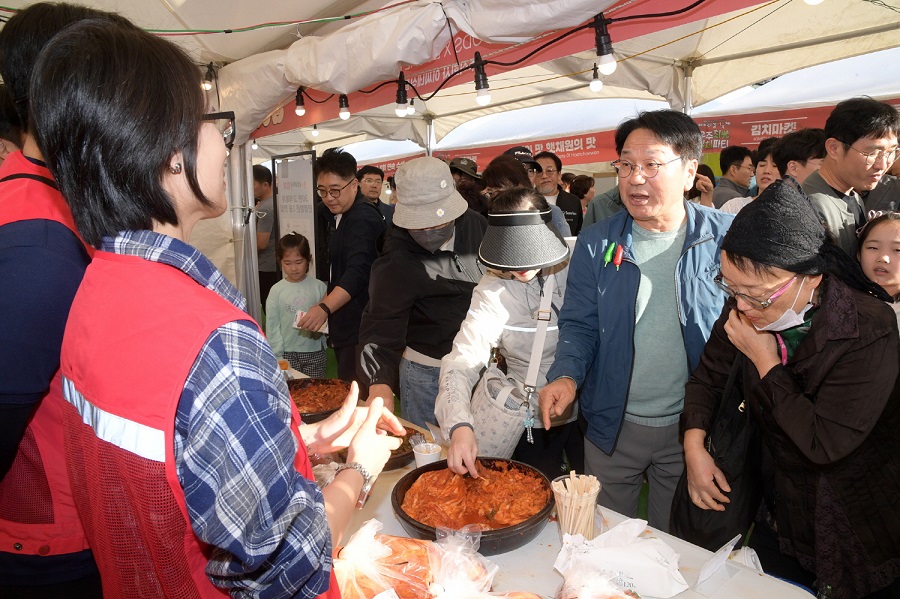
(502, 314)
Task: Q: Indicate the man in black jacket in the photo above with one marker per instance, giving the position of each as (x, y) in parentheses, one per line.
(354, 227)
(547, 184)
(420, 288)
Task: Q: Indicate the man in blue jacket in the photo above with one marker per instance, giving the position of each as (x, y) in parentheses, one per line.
(639, 308)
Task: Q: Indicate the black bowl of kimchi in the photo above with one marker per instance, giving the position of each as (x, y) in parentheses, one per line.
(496, 539)
(317, 399)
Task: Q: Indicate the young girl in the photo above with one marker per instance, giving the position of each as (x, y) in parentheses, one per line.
(296, 292)
(879, 254)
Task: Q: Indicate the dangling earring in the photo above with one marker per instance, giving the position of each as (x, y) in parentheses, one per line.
(176, 169)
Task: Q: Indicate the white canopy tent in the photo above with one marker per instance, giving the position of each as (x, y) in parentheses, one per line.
(686, 60)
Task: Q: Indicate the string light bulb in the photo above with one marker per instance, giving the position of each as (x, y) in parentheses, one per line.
(400, 108)
(596, 85)
(207, 82)
(814, 2)
(344, 104)
(254, 145)
(482, 89)
(300, 109)
(315, 131)
(607, 62)
(411, 109)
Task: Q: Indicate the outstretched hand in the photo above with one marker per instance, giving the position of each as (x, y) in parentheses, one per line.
(336, 432)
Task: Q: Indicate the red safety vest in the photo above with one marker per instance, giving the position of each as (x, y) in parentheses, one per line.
(39, 514)
(134, 331)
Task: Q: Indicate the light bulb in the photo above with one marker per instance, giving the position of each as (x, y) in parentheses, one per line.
(596, 85)
(254, 145)
(388, 191)
(814, 2)
(411, 109)
(400, 107)
(400, 110)
(315, 131)
(482, 89)
(344, 103)
(607, 64)
(207, 82)
(300, 109)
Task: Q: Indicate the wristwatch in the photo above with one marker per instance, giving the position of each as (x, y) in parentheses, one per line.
(368, 481)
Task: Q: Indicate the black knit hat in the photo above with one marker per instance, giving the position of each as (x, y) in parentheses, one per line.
(780, 229)
(521, 241)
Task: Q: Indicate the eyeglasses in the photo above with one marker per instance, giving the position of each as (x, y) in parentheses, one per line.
(371, 181)
(531, 171)
(335, 193)
(226, 128)
(873, 157)
(550, 171)
(648, 170)
(758, 304)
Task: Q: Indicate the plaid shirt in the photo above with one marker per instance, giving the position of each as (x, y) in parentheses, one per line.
(234, 450)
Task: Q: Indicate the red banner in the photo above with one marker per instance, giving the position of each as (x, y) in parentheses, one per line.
(718, 133)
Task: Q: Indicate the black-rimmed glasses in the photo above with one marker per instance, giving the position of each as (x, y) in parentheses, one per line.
(226, 128)
(335, 193)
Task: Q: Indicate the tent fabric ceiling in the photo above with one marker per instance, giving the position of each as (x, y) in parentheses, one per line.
(720, 54)
(755, 42)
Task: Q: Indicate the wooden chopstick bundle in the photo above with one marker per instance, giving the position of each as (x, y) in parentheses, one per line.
(576, 500)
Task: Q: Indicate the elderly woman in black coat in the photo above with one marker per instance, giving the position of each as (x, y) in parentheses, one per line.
(820, 363)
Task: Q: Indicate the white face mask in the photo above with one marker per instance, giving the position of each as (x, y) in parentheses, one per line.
(790, 319)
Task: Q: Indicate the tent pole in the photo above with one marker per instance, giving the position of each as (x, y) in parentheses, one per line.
(243, 219)
(688, 89)
(429, 133)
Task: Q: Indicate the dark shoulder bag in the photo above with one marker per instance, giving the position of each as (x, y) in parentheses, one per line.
(734, 444)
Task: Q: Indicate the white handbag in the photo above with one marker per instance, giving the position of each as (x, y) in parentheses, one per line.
(501, 406)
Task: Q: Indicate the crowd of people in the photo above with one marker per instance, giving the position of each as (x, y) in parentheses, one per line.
(150, 447)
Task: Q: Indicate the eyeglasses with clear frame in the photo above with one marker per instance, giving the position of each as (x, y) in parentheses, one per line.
(872, 157)
(335, 193)
(757, 304)
(624, 169)
(224, 122)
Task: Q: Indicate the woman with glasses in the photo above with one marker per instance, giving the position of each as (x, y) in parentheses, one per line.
(188, 461)
(819, 361)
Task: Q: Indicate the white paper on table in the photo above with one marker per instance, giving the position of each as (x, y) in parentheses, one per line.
(646, 565)
(717, 560)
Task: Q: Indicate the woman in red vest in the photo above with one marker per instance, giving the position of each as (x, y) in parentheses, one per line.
(187, 458)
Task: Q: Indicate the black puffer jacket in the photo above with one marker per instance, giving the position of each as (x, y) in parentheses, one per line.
(417, 299)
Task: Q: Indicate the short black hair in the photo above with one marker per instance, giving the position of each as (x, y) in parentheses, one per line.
(293, 241)
(519, 199)
(336, 162)
(569, 177)
(504, 171)
(116, 105)
(800, 146)
(675, 129)
(261, 174)
(391, 183)
(28, 32)
(552, 157)
(10, 125)
(580, 186)
(861, 117)
(369, 170)
(733, 156)
(764, 149)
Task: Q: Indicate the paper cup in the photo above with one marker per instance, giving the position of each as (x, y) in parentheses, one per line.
(576, 505)
(427, 453)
